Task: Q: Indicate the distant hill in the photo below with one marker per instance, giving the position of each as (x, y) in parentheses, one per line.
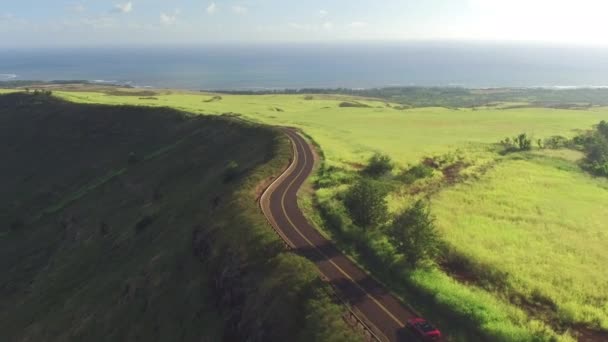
(139, 224)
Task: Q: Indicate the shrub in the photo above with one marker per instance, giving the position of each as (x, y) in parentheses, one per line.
(414, 235)
(378, 165)
(524, 143)
(353, 105)
(595, 146)
(556, 141)
(366, 204)
(416, 172)
(520, 142)
(231, 172)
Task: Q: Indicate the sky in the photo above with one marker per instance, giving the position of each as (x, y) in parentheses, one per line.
(32, 23)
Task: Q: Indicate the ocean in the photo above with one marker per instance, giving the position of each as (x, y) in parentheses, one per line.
(348, 65)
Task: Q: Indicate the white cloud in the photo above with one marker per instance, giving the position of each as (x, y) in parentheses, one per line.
(239, 9)
(212, 8)
(168, 19)
(101, 22)
(76, 7)
(328, 25)
(358, 24)
(546, 20)
(126, 7)
(323, 13)
(6, 17)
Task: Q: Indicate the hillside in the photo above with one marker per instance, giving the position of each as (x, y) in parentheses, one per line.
(126, 223)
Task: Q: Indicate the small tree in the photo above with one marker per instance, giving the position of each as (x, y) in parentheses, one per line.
(378, 165)
(540, 144)
(519, 143)
(523, 142)
(366, 204)
(414, 235)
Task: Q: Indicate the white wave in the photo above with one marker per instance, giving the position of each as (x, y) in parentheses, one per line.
(103, 81)
(6, 77)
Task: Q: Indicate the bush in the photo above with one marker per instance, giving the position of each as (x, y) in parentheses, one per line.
(231, 172)
(378, 165)
(414, 235)
(416, 172)
(520, 142)
(366, 204)
(353, 105)
(555, 142)
(595, 146)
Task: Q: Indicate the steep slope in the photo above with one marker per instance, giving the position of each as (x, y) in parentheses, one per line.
(124, 223)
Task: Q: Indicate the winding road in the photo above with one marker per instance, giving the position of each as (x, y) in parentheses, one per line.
(368, 300)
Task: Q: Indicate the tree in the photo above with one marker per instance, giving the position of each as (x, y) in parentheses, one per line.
(595, 145)
(556, 141)
(378, 165)
(602, 129)
(366, 203)
(523, 142)
(414, 235)
(520, 142)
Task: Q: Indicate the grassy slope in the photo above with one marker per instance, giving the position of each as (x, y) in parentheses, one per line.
(349, 135)
(539, 221)
(115, 260)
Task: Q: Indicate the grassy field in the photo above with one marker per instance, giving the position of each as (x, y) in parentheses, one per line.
(350, 135)
(530, 226)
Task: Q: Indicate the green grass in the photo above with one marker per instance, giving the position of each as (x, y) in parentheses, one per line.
(530, 225)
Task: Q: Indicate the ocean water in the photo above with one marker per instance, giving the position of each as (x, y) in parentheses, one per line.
(353, 65)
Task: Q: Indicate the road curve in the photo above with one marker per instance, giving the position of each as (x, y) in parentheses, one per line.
(368, 299)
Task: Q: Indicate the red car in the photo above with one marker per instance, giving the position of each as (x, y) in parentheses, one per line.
(424, 329)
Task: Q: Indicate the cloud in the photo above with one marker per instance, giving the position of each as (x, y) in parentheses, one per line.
(358, 24)
(328, 25)
(126, 7)
(6, 17)
(167, 19)
(239, 9)
(76, 7)
(101, 22)
(323, 13)
(212, 8)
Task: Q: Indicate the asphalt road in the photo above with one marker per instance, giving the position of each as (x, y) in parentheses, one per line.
(368, 299)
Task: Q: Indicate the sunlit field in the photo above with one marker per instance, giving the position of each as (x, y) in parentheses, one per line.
(352, 134)
(530, 225)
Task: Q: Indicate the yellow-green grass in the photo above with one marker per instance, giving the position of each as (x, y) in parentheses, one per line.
(7, 91)
(542, 223)
(538, 220)
(352, 134)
